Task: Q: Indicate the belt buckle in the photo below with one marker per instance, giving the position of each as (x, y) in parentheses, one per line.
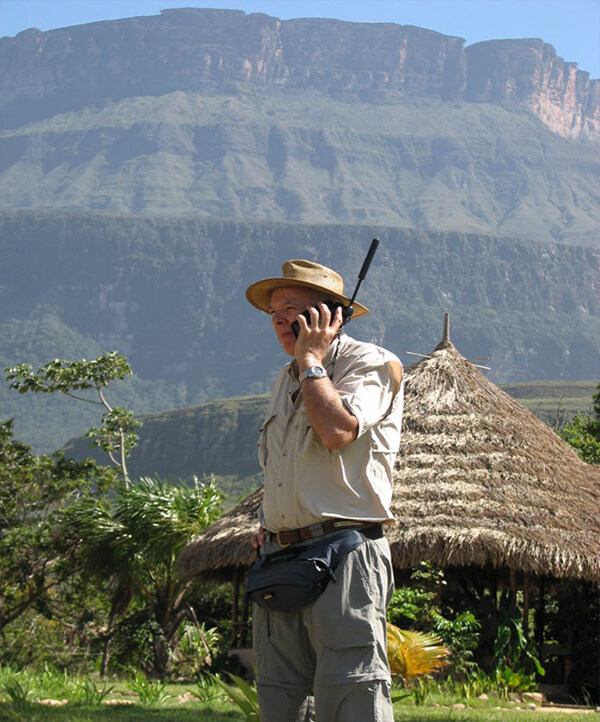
(278, 539)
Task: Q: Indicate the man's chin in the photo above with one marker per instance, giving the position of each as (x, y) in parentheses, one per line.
(288, 346)
(288, 341)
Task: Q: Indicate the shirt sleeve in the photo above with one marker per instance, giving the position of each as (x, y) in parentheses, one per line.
(368, 388)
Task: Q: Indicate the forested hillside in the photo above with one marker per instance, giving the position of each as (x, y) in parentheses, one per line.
(169, 294)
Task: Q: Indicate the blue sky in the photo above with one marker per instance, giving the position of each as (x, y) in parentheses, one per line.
(571, 26)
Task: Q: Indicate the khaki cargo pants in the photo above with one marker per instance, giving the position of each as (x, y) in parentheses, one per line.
(327, 662)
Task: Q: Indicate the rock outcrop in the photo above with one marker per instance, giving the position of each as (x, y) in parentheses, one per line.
(530, 73)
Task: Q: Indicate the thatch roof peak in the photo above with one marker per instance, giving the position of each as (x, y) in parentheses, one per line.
(443, 345)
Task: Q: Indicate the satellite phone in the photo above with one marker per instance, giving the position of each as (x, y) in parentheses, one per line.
(348, 310)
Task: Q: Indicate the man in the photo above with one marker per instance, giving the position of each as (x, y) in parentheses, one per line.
(327, 449)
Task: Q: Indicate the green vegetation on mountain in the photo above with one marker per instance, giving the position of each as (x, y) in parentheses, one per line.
(219, 438)
(555, 402)
(304, 157)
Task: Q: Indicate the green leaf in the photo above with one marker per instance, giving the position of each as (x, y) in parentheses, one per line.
(242, 695)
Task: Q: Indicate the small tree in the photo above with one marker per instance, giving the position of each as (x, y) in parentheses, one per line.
(116, 435)
(130, 543)
(35, 492)
(583, 433)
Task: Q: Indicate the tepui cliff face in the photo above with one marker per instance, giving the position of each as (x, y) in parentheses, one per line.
(43, 73)
(529, 72)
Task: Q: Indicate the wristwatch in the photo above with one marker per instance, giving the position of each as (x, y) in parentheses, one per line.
(312, 372)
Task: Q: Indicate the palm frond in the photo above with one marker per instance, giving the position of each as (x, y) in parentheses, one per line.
(411, 654)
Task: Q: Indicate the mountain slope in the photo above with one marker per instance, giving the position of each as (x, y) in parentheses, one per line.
(304, 157)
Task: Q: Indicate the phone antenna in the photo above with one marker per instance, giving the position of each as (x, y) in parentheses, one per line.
(348, 310)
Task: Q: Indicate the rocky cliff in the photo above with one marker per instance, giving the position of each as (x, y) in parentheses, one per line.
(215, 438)
(168, 294)
(44, 73)
(530, 73)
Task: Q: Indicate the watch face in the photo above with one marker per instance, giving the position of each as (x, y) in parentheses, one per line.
(313, 372)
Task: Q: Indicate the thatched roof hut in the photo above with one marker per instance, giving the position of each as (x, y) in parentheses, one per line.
(479, 481)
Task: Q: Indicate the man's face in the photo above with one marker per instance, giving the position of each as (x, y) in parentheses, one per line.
(285, 306)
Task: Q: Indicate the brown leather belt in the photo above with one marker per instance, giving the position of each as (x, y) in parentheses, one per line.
(285, 537)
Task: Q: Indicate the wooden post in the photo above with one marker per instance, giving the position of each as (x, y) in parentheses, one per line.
(526, 603)
(540, 619)
(235, 606)
(245, 614)
(446, 335)
(512, 576)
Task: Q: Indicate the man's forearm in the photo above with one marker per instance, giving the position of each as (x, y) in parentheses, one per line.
(330, 419)
(332, 422)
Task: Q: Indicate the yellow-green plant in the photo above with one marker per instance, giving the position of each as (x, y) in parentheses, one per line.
(412, 654)
(241, 694)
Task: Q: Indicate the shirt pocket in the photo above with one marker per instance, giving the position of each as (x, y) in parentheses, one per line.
(262, 444)
(308, 447)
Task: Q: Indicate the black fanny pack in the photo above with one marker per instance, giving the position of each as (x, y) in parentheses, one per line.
(292, 578)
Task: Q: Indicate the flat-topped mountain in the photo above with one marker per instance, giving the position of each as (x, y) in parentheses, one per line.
(215, 113)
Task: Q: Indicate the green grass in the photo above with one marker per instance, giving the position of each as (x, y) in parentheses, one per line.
(555, 402)
(41, 713)
(178, 704)
(215, 712)
(443, 714)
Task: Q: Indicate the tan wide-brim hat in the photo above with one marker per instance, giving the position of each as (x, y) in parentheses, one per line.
(303, 273)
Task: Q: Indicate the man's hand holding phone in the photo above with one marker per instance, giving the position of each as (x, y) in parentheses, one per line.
(318, 327)
(296, 325)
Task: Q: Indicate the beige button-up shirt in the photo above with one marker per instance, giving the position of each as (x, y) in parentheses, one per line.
(305, 482)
